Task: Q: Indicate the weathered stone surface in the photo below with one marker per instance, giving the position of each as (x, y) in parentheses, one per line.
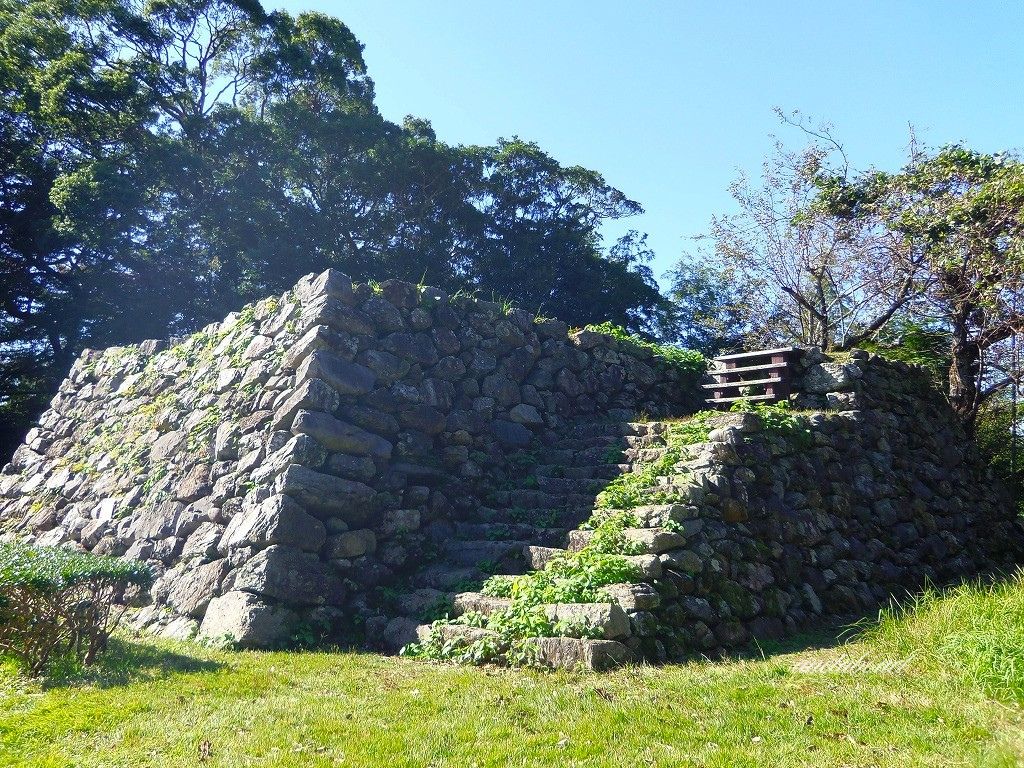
(289, 576)
(331, 282)
(277, 520)
(326, 494)
(399, 632)
(572, 653)
(527, 415)
(474, 602)
(539, 557)
(318, 337)
(350, 544)
(202, 543)
(830, 377)
(192, 588)
(456, 634)
(345, 377)
(312, 394)
(650, 540)
(608, 618)
(510, 434)
(241, 618)
(633, 597)
(336, 435)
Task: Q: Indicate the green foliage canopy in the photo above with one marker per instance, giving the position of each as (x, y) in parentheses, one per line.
(162, 164)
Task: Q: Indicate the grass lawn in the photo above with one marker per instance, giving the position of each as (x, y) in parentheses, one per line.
(939, 685)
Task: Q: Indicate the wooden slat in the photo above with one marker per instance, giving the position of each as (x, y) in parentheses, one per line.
(750, 368)
(759, 353)
(732, 384)
(734, 399)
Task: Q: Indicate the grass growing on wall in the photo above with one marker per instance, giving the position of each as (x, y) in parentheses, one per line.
(687, 361)
(884, 699)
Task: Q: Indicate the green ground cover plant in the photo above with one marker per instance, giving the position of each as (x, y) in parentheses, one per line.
(687, 361)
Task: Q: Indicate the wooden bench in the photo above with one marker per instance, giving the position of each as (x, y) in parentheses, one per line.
(762, 376)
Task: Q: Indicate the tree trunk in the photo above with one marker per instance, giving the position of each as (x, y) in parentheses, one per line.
(963, 371)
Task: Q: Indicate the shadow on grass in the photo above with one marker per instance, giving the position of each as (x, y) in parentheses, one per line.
(829, 632)
(128, 662)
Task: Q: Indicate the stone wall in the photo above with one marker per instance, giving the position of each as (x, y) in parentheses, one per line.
(741, 526)
(831, 515)
(276, 467)
(343, 456)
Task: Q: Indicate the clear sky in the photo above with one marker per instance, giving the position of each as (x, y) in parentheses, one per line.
(670, 100)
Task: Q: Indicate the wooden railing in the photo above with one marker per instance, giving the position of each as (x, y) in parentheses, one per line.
(765, 376)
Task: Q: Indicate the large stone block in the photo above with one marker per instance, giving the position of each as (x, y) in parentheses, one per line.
(337, 435)
(349, 544)
(326, 495)
(345, 377)
(243, 619)
(277, 520)
(290, 576)
(312, 394)
(607, 618)
(575, 653)
(190, 588)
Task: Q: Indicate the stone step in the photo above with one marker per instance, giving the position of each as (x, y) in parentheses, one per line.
(643, 455)
(587, 619)
(453, 634)
(615, 428)
(445, 577)
(576, 653)
(420, 601)
(562, 485)
(540, 517)
(531, 499)
(652, 541)
(587, 472)
(611, 454)
(501, 531)
(537, 557)
(474, 552)
(633, 597)
(475, 602)
(619, 428)
(648, 566)
(594, 441)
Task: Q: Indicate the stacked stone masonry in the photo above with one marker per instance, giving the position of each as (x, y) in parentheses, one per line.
(771, 531)
(282, 470)
(345, 458)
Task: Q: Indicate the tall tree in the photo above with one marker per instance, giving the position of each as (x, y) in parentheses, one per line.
(962, 213)
(165, 162)
(811, 277)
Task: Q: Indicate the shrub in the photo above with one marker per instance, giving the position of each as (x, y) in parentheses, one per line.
(56, 603)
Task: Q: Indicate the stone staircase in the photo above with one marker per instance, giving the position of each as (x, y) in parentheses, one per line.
(520, 529)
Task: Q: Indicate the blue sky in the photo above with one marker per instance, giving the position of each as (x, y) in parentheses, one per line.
(670, 100)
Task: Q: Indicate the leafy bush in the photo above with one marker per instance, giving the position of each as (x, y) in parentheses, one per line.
(56, 603)
(778, 418)
(917, 344)
(997, 441)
